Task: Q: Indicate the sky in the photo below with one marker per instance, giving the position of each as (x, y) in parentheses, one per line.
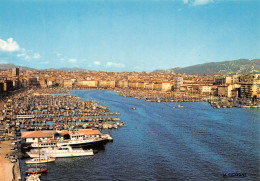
(127, 35)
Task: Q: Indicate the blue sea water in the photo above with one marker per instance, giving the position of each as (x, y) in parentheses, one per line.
(195, 142)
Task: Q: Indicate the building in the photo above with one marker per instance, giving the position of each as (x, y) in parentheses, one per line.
(1, 88)
(178, 82)
(16, 83)
(8, 85)
(67, 83)
(133, 84)
(88, 83)
(33, 81)
(149, 86)
(141, 85)
(107, 83)
(166, 86)
(250, 90)
(229, 90)
(15, 72)
(43, 83)
(157, 86)
(205, 89)
(122, 83)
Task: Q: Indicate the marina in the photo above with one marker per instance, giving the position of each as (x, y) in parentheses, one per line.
(158, 140)
(148, 125)
(47, 126)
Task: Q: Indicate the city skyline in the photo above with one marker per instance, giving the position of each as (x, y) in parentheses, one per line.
(134, 35)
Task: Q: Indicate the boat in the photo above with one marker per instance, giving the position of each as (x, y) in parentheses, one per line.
(75, 143)
(122, 123)
(40, 160)
(62, 151)
(180, 105)
(33, 177)
(254, 106)
(36, 170)
(107, 137)
(134, 108)
(245, 106)
(73, 139)
(115, 125)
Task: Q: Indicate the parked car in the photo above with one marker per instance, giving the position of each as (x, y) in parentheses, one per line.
(13, 143)
(13, 160)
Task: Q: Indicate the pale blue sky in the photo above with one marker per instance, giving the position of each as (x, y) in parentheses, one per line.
(127, 35)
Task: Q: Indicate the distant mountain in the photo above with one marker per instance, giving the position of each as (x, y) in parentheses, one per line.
(241, 66)
(73, 69)
(10, 66)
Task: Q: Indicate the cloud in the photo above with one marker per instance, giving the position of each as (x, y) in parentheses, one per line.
(197, 2)
(28, 55)
(72, 60)
(97, 63)
(185, 1)
(117, 65)
(9, 46)
(23, 54)
(201, 2)
(36, 56)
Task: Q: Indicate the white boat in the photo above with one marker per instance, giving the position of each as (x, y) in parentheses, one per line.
(107, 137)
(40, 160)
(33, 177)
(62, 151)
(180, 105)
(75, 139)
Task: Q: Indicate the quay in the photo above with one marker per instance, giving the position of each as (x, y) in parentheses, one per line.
(8, 170)
(214, 101)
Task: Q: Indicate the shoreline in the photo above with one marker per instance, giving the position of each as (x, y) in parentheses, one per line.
(157, 96)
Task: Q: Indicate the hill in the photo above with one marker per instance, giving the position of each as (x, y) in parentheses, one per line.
(241, 66)
(10, 66)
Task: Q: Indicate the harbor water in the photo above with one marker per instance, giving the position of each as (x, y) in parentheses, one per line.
(165, 142)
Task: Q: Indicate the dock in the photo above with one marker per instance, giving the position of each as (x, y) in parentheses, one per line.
(8, 170)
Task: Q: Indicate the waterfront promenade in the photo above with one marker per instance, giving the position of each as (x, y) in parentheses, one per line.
(6, 167)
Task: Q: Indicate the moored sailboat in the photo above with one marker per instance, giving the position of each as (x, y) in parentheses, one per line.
(36, 170)
(40, 160)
